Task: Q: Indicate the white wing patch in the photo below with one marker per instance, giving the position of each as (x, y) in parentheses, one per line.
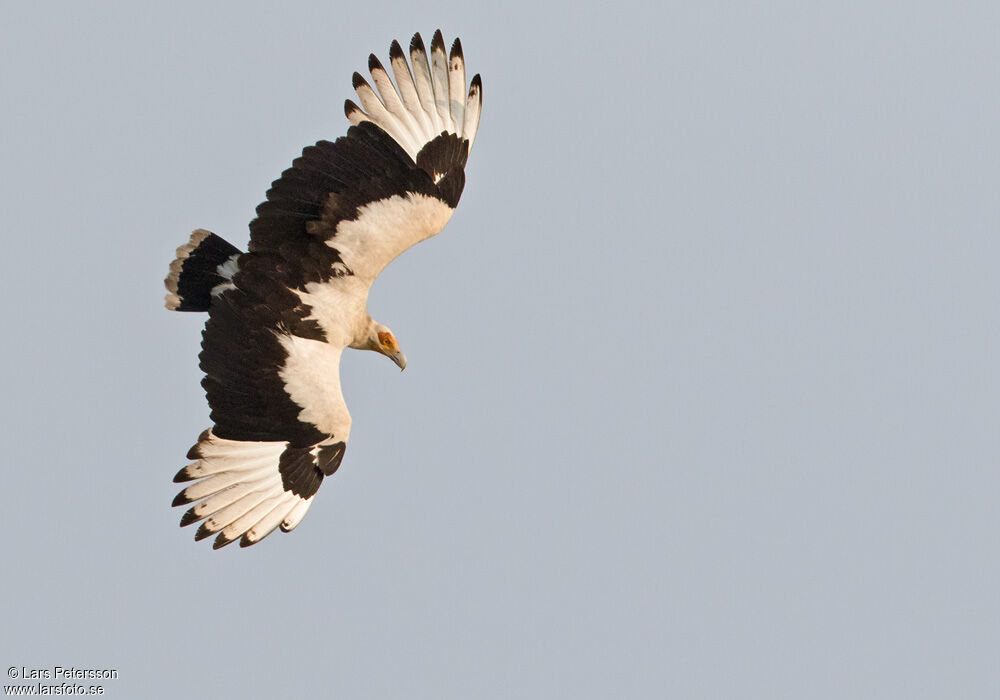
(311, 374)
(387, 227)
(431, 99)
(239, 491)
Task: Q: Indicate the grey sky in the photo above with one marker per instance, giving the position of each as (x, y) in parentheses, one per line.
(702, 393)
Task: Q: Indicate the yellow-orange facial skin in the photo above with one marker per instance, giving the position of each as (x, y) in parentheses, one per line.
(390, 348)
(388, 343)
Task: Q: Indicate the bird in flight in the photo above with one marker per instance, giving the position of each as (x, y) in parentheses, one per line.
(281, 314)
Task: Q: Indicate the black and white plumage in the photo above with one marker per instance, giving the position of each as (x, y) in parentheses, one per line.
(281, 314)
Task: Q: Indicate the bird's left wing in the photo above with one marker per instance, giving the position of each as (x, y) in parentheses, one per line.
(281, 424)
(351, 206)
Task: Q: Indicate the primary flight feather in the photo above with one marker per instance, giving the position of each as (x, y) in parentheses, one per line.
(280, 315)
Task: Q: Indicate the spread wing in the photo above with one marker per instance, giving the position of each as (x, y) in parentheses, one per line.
(330, 224)
(281, 424)
(351, 206)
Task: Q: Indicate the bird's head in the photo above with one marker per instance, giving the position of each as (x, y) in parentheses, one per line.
(382, 340)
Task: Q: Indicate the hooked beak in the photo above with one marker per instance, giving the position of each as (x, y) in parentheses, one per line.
(399, 358)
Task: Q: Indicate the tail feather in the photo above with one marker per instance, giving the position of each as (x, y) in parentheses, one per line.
(202, 264)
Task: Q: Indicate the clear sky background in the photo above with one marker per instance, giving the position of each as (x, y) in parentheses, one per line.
(702, 397)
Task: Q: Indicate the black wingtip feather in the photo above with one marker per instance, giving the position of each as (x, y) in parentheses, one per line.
(195, 452)
(417, 44)
(456, 50)
(437, 41)
(374, 64)
(245, 541)
(180, 500)
(202, 533)
(396, 51)
(182, 476)
(190, 517)
(221, 542)
(349, 108)
(358, 80)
